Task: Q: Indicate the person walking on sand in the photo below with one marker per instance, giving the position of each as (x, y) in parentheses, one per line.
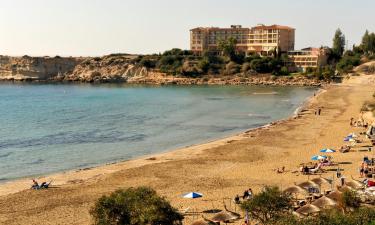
(319, 111)
(351, 121)
(361, 169)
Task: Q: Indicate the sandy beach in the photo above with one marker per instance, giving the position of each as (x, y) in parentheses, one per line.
(219, 169)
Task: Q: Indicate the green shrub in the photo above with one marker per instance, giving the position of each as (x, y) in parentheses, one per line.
(134, 206)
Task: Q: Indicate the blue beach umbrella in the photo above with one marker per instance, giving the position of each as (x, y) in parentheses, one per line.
(347, 139)
(318, 157)
(192, 195)
(352, 135)
(328, 150)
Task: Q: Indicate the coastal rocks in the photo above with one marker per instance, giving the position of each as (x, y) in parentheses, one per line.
(164, 79)
(28, 68)
(112, 68)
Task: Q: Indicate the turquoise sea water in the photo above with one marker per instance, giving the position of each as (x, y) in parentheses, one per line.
(46, 128)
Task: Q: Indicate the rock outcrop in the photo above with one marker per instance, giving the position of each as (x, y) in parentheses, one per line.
(112, 68)
(35, 68)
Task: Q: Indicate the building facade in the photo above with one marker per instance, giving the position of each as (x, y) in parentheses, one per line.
(308, 58)
(260, 39)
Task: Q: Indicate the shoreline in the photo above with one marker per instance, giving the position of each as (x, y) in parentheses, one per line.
(9, 186)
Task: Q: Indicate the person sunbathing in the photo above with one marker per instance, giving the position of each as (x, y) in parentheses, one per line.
(282, 170)
(345, 148)
(36, 186)
(316, 169)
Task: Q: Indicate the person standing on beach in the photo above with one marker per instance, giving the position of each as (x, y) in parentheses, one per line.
(319, 111)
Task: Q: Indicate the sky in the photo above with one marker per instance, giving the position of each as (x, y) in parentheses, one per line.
(99, 27)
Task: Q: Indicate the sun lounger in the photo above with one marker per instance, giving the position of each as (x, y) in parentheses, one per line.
(315, 170)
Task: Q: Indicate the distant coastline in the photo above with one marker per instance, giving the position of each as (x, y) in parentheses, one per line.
(123, 69)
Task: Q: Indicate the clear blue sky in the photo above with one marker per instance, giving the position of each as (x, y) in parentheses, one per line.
(97, 27)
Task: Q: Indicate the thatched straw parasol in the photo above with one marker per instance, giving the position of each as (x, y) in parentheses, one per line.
(308, 209)
(335, 195)
(295, 190)
(203, 222)
(324, 202)
(355, 184)
(345, 188)
(307, 184)
(321, 180)
(224, 217)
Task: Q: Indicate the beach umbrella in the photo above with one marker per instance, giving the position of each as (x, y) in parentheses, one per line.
(352, 135)
(324, 202)
(308, 209)
(307, 184)
(203, 222)
(354, 184)
(318, 157)
(335, 195)
(295, 190)
(192, 195)
(223, 217)
(345, 188)
(328, 150)
(321, 180)
(348, 139)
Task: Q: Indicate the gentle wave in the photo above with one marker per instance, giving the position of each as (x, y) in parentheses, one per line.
(72, 138)
(265, 93)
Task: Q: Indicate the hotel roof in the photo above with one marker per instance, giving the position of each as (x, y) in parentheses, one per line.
(275, 27)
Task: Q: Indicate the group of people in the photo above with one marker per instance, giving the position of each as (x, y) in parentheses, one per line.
(318, 111)
(363, 169)
(43, 185)
(247, 194)
(307, 170)
(358, 123)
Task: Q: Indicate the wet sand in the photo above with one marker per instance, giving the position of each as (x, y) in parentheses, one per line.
(219, 169)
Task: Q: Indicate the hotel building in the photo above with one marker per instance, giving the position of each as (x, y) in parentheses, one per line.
(308, 58)
(260, 39)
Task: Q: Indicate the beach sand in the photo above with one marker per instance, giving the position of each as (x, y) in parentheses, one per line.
(219, 169)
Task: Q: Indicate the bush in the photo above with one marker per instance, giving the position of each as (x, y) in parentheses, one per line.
(134, 206)
(348, 62)
(232, 68)
(284, 71)
(350, 199)
(147, 62)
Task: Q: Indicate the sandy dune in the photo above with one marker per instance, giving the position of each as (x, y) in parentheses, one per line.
(219, 170)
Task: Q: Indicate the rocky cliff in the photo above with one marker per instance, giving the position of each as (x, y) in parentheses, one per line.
(90, 69)
(111, 68)
(35, 68)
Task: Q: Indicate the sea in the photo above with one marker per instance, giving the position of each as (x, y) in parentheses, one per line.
(49, 128)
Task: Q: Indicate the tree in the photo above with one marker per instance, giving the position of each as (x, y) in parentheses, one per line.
(268, 206)
(228, 47)
(134, 206)
(338, 44)
(366, 41)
